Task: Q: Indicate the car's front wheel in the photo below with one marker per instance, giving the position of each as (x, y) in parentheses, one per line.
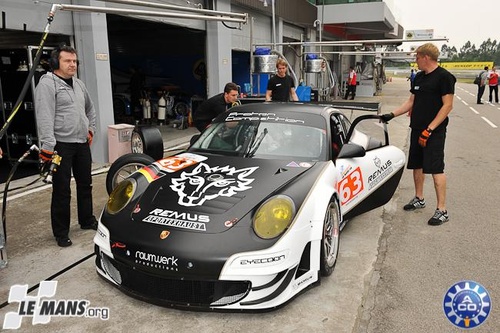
(124, 166)
(331, 237)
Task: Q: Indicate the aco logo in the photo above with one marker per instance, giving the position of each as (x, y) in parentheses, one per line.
(467, 304)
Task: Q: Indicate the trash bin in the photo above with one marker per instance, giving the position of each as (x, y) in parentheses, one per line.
(119, 138)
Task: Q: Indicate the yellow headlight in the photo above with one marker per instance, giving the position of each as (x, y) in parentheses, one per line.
(121, 196)
(273, 217)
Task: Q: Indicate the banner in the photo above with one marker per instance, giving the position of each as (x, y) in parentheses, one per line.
(461, 65)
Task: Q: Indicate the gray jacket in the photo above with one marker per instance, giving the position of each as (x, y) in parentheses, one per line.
(63, 113)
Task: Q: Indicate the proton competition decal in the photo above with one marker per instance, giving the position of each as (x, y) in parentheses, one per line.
(382, 172)
(350, 186)
(207, 183)
(467, 304)
(236, 116)
(179, 162)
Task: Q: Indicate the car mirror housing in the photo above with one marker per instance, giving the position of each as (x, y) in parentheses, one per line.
(193, 139)
(351, 150)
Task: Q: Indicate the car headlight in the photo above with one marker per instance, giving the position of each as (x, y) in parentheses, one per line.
(121, 195)
(273, 217)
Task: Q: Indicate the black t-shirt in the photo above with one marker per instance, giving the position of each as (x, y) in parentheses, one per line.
(211, 108)
(429, 90)
(280, 87)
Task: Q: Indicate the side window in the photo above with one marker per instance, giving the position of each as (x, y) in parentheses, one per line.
(338, 135)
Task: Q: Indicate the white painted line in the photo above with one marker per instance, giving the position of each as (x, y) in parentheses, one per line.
(473, 110)
(458, 97)
(464, 102)
(489, 122)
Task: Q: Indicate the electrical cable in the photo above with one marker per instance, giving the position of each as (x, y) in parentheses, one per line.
(52, 277)
(6, 188)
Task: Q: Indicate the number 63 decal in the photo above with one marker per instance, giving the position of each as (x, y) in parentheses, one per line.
(351, 186)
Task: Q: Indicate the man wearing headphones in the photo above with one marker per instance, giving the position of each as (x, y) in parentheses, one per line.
(66, 122)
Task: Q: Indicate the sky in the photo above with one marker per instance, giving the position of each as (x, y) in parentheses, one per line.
(458, 20)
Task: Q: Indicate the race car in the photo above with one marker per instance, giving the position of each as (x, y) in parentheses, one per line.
(250, 215)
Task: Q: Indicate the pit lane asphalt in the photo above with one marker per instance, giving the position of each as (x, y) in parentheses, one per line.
(380, 283)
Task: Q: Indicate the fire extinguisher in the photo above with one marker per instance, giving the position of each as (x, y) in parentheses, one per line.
(146, 108)
(162, 109)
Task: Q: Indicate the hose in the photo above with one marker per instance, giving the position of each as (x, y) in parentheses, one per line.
(6, 188)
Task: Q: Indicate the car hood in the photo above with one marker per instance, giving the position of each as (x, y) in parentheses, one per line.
(213, 193)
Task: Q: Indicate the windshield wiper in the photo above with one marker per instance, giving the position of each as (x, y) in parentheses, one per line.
(256, 144)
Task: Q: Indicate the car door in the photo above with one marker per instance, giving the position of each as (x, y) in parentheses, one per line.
(370, 168)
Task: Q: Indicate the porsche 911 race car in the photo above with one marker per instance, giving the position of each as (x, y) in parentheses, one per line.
(250, 215)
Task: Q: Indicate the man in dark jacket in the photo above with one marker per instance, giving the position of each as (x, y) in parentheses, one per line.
(215, 105)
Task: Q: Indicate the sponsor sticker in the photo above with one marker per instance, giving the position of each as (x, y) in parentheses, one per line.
(179, 162)
(350, 186)
(207, 183)
(183, 220)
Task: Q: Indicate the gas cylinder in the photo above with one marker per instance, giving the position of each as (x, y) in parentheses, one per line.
(162, 109)
(146, 109)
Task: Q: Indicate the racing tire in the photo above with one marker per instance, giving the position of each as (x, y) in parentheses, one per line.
(147, 140)
(181, 109)
(124, 166)
(330, 239)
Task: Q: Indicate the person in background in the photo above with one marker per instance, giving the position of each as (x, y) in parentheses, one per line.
(215, 105)
(431, 101)
(351, 83)
(493, 84)
(137, 83)
(411, 77)
(482, 84)
(66, 121)
(281, 87)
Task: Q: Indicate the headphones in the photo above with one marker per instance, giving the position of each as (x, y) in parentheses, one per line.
(54, 55)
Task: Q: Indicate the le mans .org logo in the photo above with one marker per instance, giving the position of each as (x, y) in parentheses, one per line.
(467, 304)
(41, 308)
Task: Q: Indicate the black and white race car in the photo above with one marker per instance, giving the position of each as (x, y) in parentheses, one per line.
(250, 215)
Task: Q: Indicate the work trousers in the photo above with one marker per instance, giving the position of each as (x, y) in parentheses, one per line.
(494, 89)
(480, 92)
(76, 157)
(351, 89)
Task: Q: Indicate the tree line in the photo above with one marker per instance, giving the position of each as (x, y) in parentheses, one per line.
(488, 51)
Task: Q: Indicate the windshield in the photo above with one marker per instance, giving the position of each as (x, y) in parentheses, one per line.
(264, 139)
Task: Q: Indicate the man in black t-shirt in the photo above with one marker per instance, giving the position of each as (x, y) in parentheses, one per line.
(281, 87)
(215, 105)
(430, 102)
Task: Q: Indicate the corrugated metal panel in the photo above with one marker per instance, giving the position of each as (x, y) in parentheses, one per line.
(299, 12)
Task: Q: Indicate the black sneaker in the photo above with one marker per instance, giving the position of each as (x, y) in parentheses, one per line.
(414, 204)
(90, 226)
(63, 241)
(439, 217)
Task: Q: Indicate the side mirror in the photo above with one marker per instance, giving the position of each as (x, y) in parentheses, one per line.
(350, 150)
(193, 139)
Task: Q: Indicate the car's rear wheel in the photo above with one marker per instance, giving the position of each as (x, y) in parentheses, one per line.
(124, 166)
(331, 237)
(147, 140)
